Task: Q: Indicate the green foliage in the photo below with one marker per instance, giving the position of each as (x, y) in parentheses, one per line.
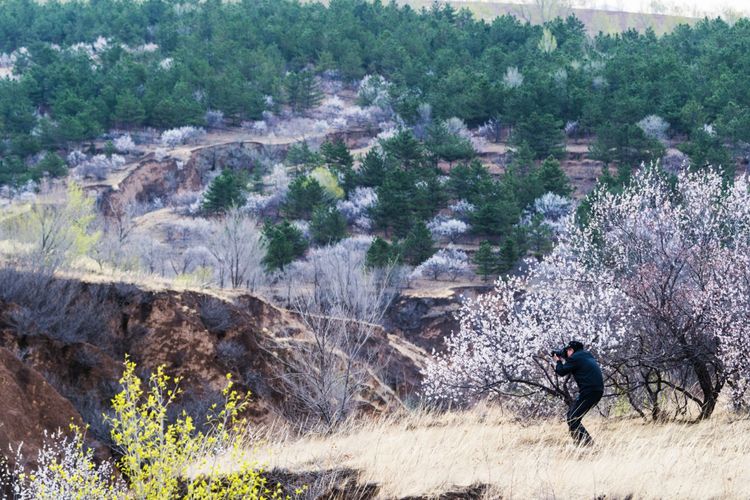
(372, 170)
(552, 179)
(542, 133)
(418, 245)
(328, 181)
(508, 255)
(486, 260)
(539, 237)
(381, 254)
(625, 144)
(404, 148)
(340, 161)
(285, 243)
(157, 454)
(301, 154)
(226, 191)
(443, 145)
(327, 226)
(228, 56)
(706, 150)
(51, 165)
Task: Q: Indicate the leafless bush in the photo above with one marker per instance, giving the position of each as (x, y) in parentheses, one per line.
(99, 167)
(214, 118)
(237, 245)
(66, 311)
(216, 316)
(341, 304)
(231, 352)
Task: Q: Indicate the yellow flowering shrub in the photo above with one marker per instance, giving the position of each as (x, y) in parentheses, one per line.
(160, 460)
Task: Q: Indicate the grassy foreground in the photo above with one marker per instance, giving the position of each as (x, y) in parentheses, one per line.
(426, 455)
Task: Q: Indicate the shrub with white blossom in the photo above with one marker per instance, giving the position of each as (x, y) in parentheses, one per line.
(654, 127)
(656, 285)
(446, 261)
(214, 118)
(552, 209)
(124, 144)
(446, 229)
(76, 157)
(182, 135)
(356, 208)
(462, 209)
(512, 78)
(65, 468)
(374, 90)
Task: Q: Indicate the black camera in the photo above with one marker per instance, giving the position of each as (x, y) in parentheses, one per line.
(560, 353)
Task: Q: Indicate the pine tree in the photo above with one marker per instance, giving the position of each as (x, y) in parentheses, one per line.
(486, 260)
(340, 161)
(418, 245)
(552, 178)
(379, 254)
(284, 244)
(508, 255)
(225, 191)
(305, 193)
(328, 225)
(404, 148)
(129, 111)
(394, 207)
(372, 170)
(302, 91)
(336, 154)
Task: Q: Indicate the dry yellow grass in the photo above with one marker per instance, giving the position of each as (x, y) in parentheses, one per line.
(422, 454)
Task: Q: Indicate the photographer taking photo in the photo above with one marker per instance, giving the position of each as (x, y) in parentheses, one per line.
(573, 359)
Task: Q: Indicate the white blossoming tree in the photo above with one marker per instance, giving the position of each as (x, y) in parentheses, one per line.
(657, 284)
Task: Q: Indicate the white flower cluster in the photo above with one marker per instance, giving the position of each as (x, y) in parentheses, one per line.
(512, 78)
(76, 157)
(277, 186)
(462, 208)
(65, 468)
(553, 210)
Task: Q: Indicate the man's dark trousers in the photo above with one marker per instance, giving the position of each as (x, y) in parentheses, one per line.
(580, 407)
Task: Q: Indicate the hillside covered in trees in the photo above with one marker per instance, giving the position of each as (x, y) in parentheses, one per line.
(74, 70)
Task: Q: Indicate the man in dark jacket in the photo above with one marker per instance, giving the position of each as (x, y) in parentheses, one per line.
(587, 374)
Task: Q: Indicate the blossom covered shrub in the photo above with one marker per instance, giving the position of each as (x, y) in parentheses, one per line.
(446, 261)
(357, 207)
(655, 284)
(181, 135)
(444, 228)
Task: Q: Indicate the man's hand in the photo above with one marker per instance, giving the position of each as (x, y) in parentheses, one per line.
(556, 358)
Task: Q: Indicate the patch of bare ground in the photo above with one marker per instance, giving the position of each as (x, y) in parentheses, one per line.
(486, 453)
